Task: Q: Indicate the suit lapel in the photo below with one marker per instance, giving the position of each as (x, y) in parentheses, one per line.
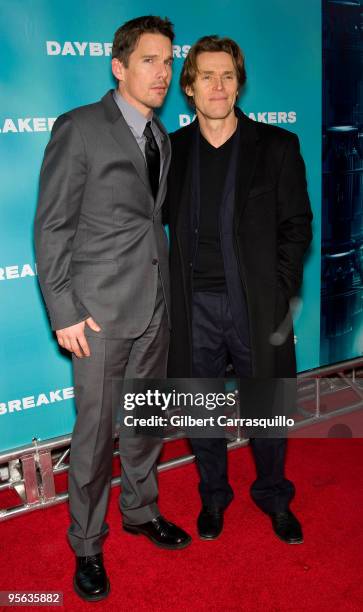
(246, 165)
(166, 153)
(124, 137)
(187, 181)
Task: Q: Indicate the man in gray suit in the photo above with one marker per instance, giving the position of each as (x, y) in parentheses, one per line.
(102, 257)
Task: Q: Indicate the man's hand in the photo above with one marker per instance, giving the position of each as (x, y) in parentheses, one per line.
(73, 339)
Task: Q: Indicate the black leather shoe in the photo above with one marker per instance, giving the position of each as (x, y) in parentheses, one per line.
(90, 580)
(287, 527)
(210, 523)
(162, 533)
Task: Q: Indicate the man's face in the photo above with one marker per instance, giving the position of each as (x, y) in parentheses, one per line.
(215, 87)
(145, 81)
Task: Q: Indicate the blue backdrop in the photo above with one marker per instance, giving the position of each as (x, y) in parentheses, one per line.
(55, 56)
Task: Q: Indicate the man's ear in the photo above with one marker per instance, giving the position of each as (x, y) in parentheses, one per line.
(189, 91)
(118, 69)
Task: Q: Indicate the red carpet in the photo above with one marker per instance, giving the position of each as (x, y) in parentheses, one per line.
(248, 568)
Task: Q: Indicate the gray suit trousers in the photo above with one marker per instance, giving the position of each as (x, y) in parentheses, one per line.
(92, 438)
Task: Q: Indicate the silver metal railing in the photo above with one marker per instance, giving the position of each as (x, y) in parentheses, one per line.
(30, 471)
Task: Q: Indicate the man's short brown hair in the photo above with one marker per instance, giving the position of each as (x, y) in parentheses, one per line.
(127, 36)
(211, 43)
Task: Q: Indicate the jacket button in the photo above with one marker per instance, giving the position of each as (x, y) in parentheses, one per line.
(191, 264)
(196, 230)
(154, 261)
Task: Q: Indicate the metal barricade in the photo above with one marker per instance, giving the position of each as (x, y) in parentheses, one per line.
(30, 471)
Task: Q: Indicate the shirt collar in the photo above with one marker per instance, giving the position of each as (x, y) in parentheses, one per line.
(134, 119)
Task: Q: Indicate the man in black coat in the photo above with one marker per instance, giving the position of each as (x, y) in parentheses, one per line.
(240, 222)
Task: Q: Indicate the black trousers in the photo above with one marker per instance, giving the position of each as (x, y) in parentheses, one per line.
(215, 338)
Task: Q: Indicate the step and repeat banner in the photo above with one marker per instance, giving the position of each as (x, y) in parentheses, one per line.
(56, 56)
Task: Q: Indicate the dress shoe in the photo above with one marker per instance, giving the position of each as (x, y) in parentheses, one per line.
(162, 533)
(90, 580)
(210, 523)
(287, 527)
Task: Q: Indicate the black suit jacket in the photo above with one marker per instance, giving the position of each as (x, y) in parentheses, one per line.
(271, 232)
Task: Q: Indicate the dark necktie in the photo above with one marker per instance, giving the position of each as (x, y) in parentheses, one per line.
(152, 155)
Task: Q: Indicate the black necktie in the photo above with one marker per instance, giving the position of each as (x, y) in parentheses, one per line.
(152, 155)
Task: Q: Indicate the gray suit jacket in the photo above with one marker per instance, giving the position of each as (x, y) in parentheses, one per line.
(99, 236)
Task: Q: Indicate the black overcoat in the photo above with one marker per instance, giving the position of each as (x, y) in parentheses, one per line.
(272, 231)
